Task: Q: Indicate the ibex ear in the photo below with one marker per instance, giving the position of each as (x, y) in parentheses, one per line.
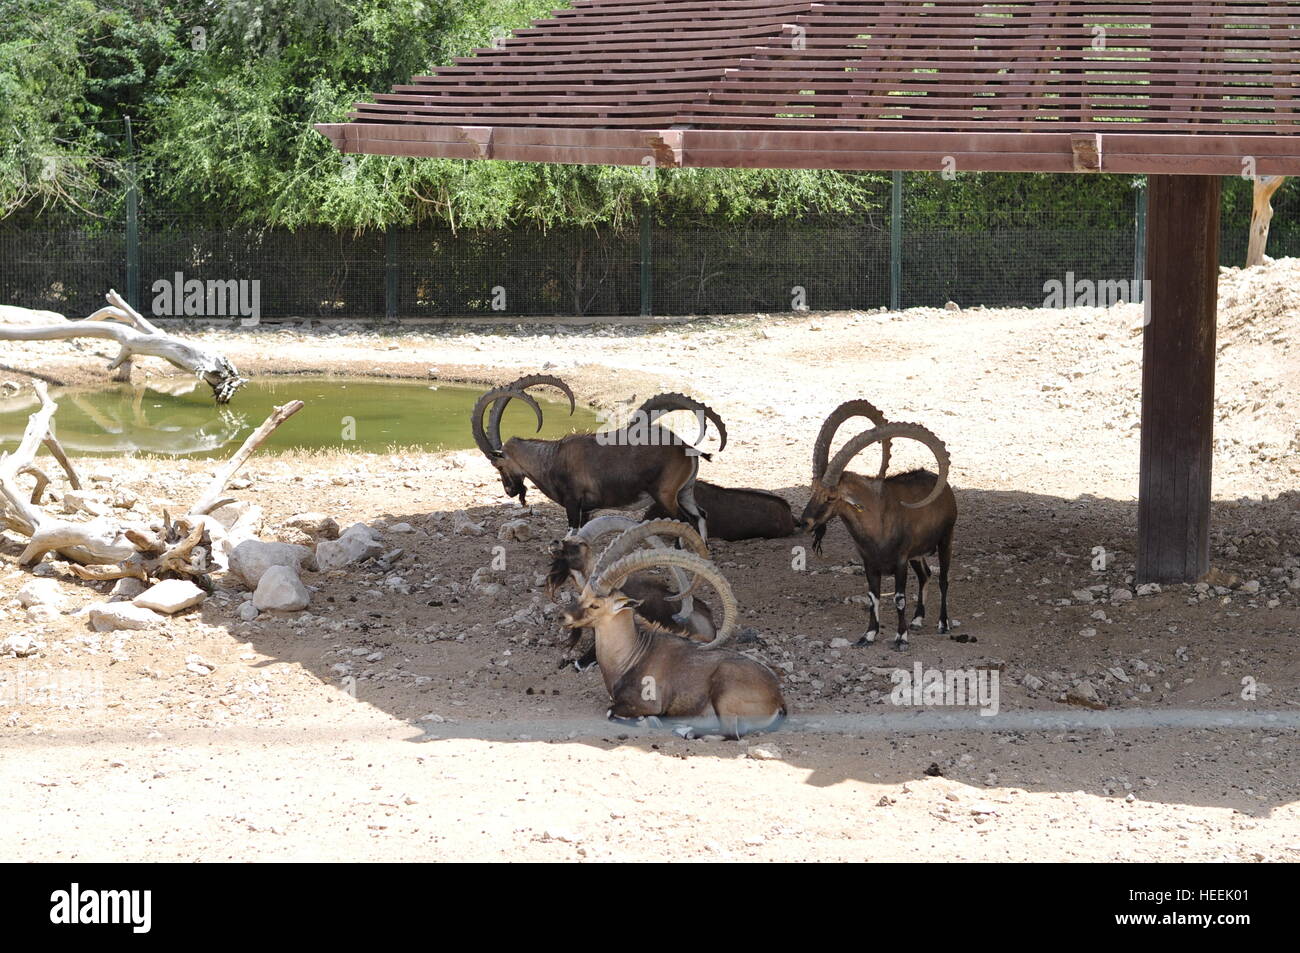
(622, 602)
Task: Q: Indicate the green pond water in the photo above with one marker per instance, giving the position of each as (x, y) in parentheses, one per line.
(179, 418)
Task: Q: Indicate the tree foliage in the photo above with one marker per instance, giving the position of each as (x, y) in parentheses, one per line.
(224, 94)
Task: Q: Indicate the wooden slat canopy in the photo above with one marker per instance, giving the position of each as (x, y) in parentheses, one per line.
(1162, 86)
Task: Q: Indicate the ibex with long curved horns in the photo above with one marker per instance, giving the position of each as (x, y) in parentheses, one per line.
(652, 674)
(895, 521)
(574, 559)
(608, 470)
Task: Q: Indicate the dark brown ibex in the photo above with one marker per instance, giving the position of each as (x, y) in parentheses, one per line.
(738, 513)
(654, 675)
(607, 470)
(895, 521)
(573, 559)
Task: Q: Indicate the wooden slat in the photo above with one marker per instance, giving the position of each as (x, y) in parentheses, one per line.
(1185, 71)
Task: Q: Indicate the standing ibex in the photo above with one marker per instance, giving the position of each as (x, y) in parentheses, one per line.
(738, 513)
(573, 559)
(587, 472)
(652, 674)
(895, 521)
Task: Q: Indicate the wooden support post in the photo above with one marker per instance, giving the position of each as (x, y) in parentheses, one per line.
(1178, 378)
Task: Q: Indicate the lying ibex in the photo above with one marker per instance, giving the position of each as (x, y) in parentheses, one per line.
(573, 559)
(738, 514)
(652, 674)
(895, 521)
(607, 470)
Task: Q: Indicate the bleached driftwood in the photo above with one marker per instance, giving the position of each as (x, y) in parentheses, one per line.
(101, 549)
(1261, 216)
(136, 337)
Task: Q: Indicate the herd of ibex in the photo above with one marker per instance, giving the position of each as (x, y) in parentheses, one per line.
(660, 649)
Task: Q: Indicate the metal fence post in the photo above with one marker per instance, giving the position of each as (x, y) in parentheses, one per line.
(896, 243)
(1140, 239)
(390, 273)
(132, 223)
(647, 263)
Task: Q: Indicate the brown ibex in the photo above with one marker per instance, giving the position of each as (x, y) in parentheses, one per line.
(573, 559)
(607, 470)
(895, 521)
(738, 513)
(652, 674)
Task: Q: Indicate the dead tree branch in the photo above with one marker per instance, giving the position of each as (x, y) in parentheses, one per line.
(137, 337)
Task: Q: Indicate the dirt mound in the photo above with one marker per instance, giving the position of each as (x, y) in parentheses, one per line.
(1260, 305)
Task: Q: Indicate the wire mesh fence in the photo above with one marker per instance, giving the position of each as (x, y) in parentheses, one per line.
(431, 272)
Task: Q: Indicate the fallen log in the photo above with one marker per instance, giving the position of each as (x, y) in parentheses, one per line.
(135, 337)
(101, 549)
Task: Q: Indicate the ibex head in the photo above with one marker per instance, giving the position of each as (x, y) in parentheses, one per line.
(602, 600)
(828, 496)
(489, 439)
(592, 610)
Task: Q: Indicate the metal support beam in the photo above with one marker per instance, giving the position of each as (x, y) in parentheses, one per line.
(896, 243)
(390, 274)
(647, 263)
(132, 294)
(1178, 378)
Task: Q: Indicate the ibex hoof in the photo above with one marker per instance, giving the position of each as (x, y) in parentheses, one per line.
(900, 643)
(868, 639)
(684, 731)
(918, 621)
(943, 628)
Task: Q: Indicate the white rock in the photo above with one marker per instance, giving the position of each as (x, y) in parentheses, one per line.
(517, 530)
(170, 596)
(1121, 595)
(248, 612)
(281, 590)
(316, 525)
(40, 615)
(18, 645)
(42, 592)
(253, 557)
(111, 616)
(1032, 682)
(401, 528)
(464, 526)
(840, 643)
(354, 546)
(763, 752)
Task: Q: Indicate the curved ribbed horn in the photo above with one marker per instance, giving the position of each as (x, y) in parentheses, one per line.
(633, 536)
(652, 530)
(661, 404)
(644, 559)
(831, 425)
(519, 389)
(835, 469)
(492, 450)
(602, 526)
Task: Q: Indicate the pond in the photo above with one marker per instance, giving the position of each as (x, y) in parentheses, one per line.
(179, 418)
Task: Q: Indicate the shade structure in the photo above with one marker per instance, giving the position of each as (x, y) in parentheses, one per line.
(1181, 90)
(1163, 86)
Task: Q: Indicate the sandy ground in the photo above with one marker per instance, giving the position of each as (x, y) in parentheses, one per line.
(416, 711)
